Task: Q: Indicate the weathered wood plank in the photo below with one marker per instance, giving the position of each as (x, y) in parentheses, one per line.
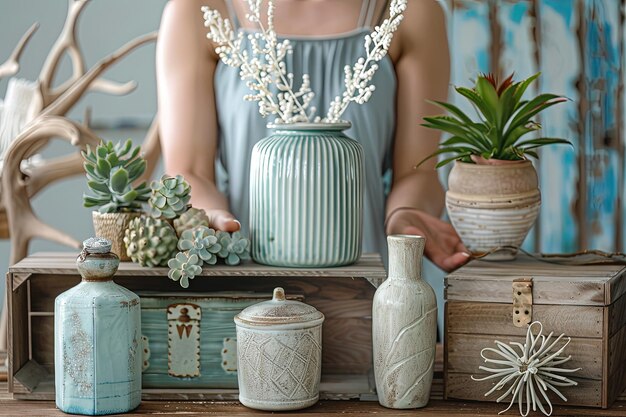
(18, 329)
(353, 353)
(546, 290)
(601, 72)
(464, 353)
(525, 262)
(45, 288)
(590, 285)
(617, 316)
(560, 66)
(616, 288)
(496, 319)
(460, 386)
(616, 364)
(42, 337)
(470, 41)
(515, 28)
(369, 266)
(621, 128)
(332, 387)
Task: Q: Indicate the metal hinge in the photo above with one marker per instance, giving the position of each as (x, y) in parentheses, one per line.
(522, 302)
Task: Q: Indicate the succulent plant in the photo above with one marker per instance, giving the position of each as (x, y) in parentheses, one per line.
(183, 267)
(200, 241)
(150, 241)
(503, 119)
(111, 171)
(170, 197)
(190, 219)
(235, 247)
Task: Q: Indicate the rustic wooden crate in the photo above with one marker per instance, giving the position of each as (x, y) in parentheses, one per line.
(343, 294)
(584, 302)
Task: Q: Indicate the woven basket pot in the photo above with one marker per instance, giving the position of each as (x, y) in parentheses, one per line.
(112, 226)
(492, 206)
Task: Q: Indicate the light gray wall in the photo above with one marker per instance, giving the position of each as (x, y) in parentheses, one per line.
(104, 26)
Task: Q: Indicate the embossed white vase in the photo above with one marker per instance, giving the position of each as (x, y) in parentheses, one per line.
(404, 328)
(279, 354)
(306, 196)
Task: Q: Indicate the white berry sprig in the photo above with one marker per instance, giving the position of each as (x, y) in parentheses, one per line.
(358, 77)
(266, 67)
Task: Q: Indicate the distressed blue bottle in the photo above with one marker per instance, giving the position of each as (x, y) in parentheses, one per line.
(97, 343)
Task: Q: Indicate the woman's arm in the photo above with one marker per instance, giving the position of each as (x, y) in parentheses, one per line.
(187, 115)
(423, 71)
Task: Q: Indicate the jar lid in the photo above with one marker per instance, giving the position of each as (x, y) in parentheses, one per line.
(97, 245)
(279, 312)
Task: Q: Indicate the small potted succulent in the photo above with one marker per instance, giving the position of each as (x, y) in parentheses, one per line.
(111, 170)
(493, 196)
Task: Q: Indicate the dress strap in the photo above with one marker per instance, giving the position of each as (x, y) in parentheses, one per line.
(232, 14)
(369, 17)
(365, 5)
(381, 15)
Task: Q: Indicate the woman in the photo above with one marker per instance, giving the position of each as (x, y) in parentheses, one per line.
(206, 125)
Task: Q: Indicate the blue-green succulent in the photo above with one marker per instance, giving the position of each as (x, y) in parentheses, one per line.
(184, 267)
(170, 197)
(111, 170)
(234, 247)
(201, 241)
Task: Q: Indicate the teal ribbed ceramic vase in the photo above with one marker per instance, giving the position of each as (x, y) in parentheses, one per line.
(97, 339)
(306, 197)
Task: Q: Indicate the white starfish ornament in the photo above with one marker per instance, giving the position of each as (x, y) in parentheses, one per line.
(532, 371)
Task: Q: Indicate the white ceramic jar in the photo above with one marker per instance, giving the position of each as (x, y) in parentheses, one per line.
(279, 354)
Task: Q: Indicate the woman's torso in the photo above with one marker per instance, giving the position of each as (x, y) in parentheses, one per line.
(324, 59)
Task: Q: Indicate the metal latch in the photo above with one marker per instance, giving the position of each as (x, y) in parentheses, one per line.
(522, 302)
(183, 337)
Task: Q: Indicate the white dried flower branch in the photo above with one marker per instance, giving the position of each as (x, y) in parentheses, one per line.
(266, 66)
(357, 79)
(534, 370)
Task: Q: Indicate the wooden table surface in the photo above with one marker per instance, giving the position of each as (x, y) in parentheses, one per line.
(437, 408)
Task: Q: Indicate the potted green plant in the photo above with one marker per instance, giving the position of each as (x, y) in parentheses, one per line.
(112, 170)
(493, 196)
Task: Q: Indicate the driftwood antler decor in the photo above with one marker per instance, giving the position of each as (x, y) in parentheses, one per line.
(37, 115)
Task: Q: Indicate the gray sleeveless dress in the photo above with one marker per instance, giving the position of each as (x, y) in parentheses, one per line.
(323, 58)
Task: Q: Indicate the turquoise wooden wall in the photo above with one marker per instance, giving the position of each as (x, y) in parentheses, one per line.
(578, 45)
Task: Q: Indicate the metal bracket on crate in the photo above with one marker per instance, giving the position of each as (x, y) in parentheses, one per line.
(184, 340)
(522, 302)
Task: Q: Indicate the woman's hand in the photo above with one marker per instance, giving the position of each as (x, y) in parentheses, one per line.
(223, 220)
(443, 245)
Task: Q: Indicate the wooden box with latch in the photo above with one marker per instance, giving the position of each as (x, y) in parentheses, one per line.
(488, 301)
(189, 333)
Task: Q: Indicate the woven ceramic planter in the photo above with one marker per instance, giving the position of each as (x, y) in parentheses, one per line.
(279, 354)
(112, 226)
(306, 197)
(491, 206)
